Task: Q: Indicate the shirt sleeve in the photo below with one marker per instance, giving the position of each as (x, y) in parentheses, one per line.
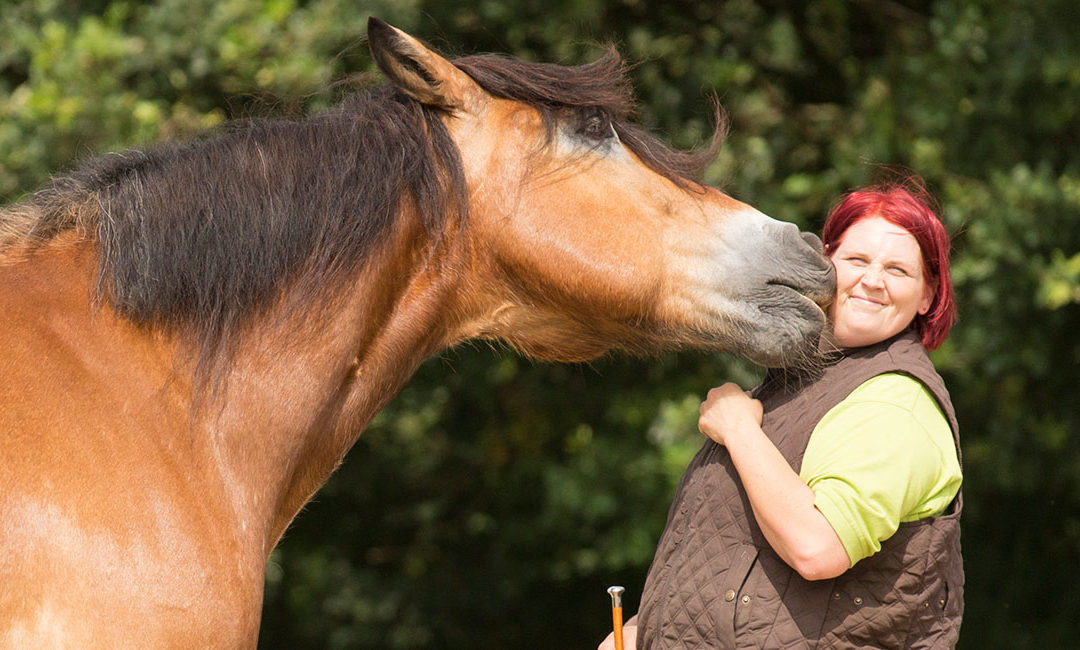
(882, 456)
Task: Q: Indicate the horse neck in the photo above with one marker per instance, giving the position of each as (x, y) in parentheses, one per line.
(294, 404)
(297, 393)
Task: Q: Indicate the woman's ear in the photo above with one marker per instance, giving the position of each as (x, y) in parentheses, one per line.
(929, 291)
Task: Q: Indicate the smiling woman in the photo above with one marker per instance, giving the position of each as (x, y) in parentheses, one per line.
(824, 511)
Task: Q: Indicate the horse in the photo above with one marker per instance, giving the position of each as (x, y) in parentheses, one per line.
(196, 333)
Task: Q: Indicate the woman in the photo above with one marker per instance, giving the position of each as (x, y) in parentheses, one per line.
(824, 513)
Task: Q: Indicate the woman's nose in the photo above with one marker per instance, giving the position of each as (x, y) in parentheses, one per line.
(873, 276)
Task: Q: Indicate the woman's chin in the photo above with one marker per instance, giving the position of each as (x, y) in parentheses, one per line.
(857, 337)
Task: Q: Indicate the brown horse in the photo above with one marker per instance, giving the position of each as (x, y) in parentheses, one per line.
(194, 335)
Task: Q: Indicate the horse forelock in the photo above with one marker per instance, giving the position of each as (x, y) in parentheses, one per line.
(601, 84)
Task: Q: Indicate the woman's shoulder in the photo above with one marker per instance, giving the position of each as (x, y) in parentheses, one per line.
(894, 387)
(897, 392)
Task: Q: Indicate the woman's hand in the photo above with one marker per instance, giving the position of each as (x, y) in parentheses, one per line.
(782, 503)
(629, 635)
(728, 411)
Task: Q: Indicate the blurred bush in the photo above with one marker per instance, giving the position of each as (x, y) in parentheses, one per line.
(495, 499)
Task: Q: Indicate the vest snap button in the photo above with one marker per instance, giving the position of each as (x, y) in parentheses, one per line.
(836, 596)
(858, 600)
(745, 599)
(730, 595)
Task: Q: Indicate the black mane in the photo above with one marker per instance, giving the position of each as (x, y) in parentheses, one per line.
(200, 236)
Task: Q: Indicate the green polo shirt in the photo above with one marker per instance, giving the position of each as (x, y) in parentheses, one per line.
(883, 456)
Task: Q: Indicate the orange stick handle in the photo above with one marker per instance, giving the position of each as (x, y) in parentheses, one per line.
(616, 614)
(616, 617)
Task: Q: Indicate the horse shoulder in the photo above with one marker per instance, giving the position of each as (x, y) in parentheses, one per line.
(106, 523)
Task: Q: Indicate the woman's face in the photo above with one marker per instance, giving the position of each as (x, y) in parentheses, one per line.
(879, 282)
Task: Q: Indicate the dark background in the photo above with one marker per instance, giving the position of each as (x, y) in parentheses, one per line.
(495, 499)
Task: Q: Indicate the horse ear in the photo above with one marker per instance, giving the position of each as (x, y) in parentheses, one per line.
(416, 70)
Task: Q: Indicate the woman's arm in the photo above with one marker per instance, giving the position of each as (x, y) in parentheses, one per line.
(782, 503)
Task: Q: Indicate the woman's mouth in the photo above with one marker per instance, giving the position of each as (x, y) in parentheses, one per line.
(866, 301)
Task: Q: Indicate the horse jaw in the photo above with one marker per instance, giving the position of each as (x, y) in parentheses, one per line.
(535, 332)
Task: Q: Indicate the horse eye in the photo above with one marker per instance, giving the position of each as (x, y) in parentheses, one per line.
(596, 127)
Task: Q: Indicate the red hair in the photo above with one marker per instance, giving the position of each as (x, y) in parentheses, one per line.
(906, 204)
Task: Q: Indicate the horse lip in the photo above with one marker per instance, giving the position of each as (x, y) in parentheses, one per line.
(821, 294)
(809, 305)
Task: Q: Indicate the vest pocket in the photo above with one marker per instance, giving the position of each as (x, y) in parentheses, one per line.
(864, 614)
(736, 596)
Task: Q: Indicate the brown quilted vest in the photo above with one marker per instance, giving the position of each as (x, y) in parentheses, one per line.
(716, 583)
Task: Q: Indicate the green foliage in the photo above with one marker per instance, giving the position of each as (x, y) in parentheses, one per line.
(494, 500)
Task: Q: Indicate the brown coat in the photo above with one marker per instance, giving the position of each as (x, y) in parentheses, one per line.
(716, 583)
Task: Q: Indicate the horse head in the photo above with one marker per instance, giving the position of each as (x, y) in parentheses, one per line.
(583, 240)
